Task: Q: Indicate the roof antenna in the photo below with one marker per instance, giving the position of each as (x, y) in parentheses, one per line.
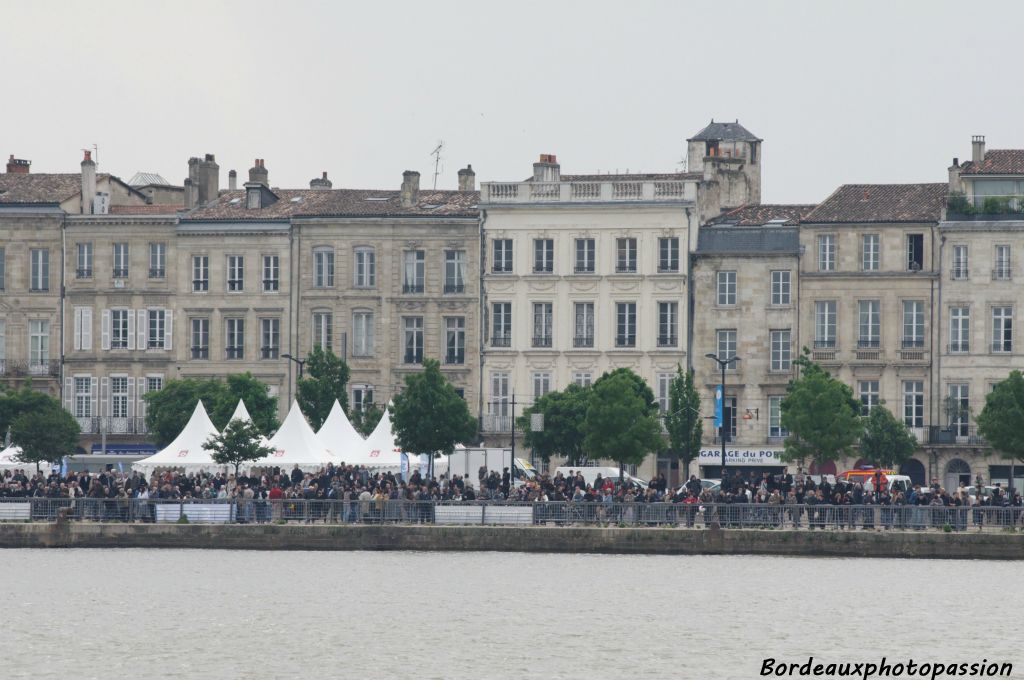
(436, 153)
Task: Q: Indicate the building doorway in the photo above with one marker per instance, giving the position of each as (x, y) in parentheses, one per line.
(914, 469)
(957, 472)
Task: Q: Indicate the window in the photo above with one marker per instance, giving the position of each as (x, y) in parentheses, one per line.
(501, 324)
(499, 395)
(867, 390)
(120, 260)
(959, 329)
(781, 350)
(915, 252)
(958, 408)
(668, 323)
(84, 268)
(236, 273)
(541, 384)
(200, 338)
(825, 324)
(454, 271)
(323, 268)
(664, 389)
(1002, 271)
(270, 338)
(583, 324)
(869, 323)
(727, 346)
(365, 268)
(543, 255)
(455, 340)
(542, 324)
(119, 396)
(413, 272)
(583, 379)
(668, 254)
(83, 329)
(235, 340)
(625, 255)
(39, 346)
(121, 332)
(502, 256)
(200, 273)
(869, 252)
(913, 324)
(413, 340)
(157, 260)
(40, 281)
(960, 268)
(913, 403)
(154, 383)
(827, 253)
(362, 397)
(323, 330)
(625, 324)
(1002, 329)
(157, 329)
(775, 428)
(781, 287)
(726, 288)
(586, 250)
(271, 273)
(83, 397)
(362, 331)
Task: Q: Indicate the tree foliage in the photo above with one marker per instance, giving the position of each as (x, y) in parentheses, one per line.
(564, 416)
(366, 420)
(45, 434)
(428, 416)
(169, 409)
(821, 415)
(621, 423)
(1001, 421)
(238, 443)
(325, 379)
(255, 393)
(683, 420)
(17, 400)
(886, 441)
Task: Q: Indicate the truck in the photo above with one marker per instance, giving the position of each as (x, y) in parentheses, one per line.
(467, 462)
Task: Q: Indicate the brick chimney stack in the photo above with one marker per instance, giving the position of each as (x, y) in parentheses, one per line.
(547, 169)
(232, 180)
(978, 148)
(209, 179)
(321, 183)
(410, 194)
(18, 166)
(88, 183)
(258, 173)
(467, 179)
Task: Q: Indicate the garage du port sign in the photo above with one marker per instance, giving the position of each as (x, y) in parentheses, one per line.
(741, 457)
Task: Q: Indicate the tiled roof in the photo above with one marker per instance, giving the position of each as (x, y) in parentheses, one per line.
(881, 203)
(40, 187)
(757, 215)
(230, 205)
(729, 132)
(748, 241)
(997, 162)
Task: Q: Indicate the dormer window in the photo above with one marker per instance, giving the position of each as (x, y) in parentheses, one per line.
(252, 198)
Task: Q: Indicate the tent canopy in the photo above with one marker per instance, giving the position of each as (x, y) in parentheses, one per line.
(9, 460)
(295, 443)
(186, 451)
(242, 413)
(338, 436)
(380, 450)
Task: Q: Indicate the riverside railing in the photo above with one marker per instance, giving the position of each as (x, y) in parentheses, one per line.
(355, 511)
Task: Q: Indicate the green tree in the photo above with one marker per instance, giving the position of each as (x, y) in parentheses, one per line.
(326, 378)
(564, 416)
(821, 415)
(886, 441)
(168, 409)
(620, 423)
(255, 393)
(683, 420)
(366, 420)
(238, 443)
(1001, 421)
(17, 400)
(637, 384)
(428, 416)
(47, 434)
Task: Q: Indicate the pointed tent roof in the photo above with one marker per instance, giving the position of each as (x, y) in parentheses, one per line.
(295, 443)
(9, 460)
(381, 449)
(242, 413)
(186, 451)
(338, 436)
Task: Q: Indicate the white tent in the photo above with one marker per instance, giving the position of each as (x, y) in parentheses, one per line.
(380, 450)
(242, 413)
(295, 443)
(186, 451)
(338, 436)
(9, 461)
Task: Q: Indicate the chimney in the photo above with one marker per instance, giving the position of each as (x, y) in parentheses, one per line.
(17, 166)
(190, 194)
(232, 180)
(547, 169)
(321, 183)
(209, 179)
(954, 177)
(88, 183)
(978, 148)
(467, 179)
(258, 173)
(410, 188)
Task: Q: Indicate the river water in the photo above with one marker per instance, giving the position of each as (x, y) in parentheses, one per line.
(237, 614)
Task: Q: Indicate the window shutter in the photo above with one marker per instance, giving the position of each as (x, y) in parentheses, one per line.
(131, 398)
(143, 329)
(92, 397)
(87, 328)
(168, 328)
(141, 392)
(104, 396)
(105, 331)
(69, 395)
(369, 334)
(78, 328)
(131, 329)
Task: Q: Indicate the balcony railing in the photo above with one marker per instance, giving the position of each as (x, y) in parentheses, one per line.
(668, 341)
(955, 434)
(868, 343)
(200, 285)
(157, 272)
(502, 268)
(824, 344)
(49, 369)
(959, 347)
(959, 273)
(269, 352)
(588, 192)
(454, 288)
(114, 426)
(412, 288)
(543, 268)
(1001, 274)
(200, 353)
(501, 341)
(584, 268)
(83, 273)
(234, 353)
(625, 341)
(625, 268)
(1006, 206)
(495, 423)
(155, 344)
(668, 268)
(912, 343)
(120, 272)
(583, 341)
(542, 341)
(235, 285)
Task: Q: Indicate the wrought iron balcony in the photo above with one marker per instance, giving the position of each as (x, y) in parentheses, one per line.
(454, 288)
(269, 352)
(234, 353)
(583, 341)
(542, 341)
(625, 341)
(157, 272)
(200, 284)
(668, 341)
(200, 353)
(504, 340)
(412, 288)
(83, 273)
(120, 272)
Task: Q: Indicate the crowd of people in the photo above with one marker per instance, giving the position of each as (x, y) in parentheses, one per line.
(347, 493)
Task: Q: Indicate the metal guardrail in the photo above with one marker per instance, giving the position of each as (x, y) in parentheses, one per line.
(355, 511)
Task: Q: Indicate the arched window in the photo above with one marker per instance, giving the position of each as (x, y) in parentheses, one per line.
(914, 469)
(957, 472)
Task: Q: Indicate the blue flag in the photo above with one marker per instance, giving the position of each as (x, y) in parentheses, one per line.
(718, 406)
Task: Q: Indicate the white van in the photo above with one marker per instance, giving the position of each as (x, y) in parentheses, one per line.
(590, 475)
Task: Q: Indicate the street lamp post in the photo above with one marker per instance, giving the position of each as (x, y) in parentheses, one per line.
(297, 360)
(723, 363)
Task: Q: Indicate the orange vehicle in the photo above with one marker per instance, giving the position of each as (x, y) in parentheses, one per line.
(877, 476)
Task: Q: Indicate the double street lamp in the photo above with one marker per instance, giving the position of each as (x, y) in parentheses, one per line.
(722, 424)
(297, 360)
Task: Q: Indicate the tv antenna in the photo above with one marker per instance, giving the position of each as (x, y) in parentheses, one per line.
(436, 153)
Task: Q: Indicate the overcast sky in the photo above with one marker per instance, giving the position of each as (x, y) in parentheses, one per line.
(840, 92)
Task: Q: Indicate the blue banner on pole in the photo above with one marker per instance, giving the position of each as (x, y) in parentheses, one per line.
(718, 406)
